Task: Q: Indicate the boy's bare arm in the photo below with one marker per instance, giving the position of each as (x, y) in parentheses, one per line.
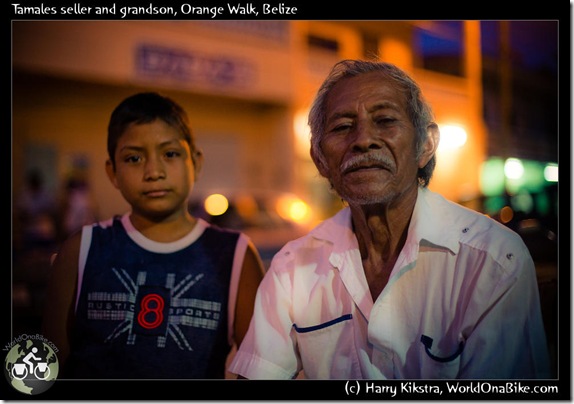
(60, 297)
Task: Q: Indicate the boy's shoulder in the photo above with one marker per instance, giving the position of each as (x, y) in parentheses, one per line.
(222, 232)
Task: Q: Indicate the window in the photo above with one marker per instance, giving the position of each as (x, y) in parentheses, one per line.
(440, 46)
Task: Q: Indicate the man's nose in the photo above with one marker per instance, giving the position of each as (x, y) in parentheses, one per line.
(366, 137)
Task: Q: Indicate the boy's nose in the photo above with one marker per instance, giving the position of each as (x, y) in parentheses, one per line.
(154, 169)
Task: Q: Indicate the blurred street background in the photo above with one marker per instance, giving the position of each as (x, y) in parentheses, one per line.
(247, 87)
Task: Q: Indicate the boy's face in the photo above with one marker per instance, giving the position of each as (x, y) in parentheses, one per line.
(154, 170)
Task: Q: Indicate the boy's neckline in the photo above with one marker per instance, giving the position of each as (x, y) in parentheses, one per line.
(163, 247)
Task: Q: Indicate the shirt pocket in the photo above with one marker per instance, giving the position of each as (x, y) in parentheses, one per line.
(327, 350)
(440, 361)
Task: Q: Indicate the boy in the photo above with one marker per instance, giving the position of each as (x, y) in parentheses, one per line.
(155, 293)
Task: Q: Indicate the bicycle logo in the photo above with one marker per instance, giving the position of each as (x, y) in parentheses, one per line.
(31, 365)
(40, 370)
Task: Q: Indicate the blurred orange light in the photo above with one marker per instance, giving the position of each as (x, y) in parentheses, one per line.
(506, 214)
(246, 206)
(292, 208)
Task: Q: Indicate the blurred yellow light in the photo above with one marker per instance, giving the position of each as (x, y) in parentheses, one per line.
(551, 173)
(302, 133)
(216, 204)
(451, 137)
(513, 168)
(299, 211)
(292, 208)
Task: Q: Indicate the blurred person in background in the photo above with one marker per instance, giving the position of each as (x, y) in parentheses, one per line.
(35, 214)
(153, 293)
(401, 283)
(78, 207)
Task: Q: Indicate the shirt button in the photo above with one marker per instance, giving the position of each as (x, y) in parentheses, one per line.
(465, 230)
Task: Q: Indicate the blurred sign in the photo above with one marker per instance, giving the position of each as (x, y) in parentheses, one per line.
(182, 65)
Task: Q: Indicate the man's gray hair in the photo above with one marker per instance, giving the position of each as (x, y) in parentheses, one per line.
(418, 110)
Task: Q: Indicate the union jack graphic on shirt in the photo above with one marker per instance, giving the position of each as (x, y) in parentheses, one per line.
(153, 310)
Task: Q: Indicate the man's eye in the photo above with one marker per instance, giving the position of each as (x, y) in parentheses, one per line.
(341, 127)
(385, 120)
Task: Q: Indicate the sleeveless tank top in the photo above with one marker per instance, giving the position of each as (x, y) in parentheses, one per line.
(154, 310)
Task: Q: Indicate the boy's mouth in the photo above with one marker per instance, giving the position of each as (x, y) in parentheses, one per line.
(156, 193)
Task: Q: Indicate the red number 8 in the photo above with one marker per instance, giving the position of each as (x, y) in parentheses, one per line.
(157, 310)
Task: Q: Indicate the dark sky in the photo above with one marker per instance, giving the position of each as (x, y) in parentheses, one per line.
(534, 43)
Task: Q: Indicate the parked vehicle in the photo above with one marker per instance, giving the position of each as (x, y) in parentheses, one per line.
(270, 219)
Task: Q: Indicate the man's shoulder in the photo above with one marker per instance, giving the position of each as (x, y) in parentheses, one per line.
(329, 229)
(481, 232)
(323, 235)
(471, 224)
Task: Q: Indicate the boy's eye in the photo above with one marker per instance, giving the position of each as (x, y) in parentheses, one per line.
(132, 159)
(172, 154)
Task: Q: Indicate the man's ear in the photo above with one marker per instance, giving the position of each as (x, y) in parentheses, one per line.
(430, 145)
(319, 163)
(111, 173)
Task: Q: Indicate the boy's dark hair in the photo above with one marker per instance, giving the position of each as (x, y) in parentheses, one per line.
(144, 108)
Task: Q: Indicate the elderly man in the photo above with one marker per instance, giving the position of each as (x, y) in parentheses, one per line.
(401, 283)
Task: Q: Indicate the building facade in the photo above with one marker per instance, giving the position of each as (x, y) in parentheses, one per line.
(247, 86)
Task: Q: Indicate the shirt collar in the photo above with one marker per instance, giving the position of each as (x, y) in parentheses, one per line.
(430, 222)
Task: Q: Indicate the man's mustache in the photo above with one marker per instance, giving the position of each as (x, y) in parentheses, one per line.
(366, 161)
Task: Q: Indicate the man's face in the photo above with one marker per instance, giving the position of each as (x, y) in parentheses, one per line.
(369, 141)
